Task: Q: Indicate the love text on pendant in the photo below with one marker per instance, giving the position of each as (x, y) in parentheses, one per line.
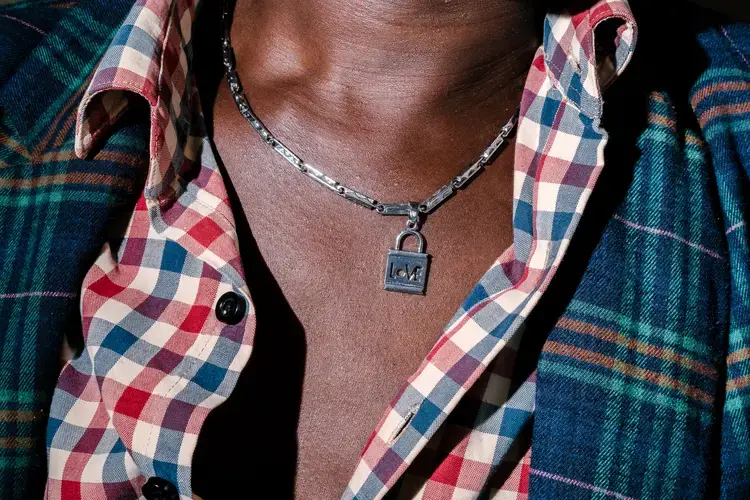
(407, 271)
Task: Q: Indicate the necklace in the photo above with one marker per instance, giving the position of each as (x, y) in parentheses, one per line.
(405, 271)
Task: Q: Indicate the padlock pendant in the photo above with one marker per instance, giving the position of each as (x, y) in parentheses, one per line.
(407, 271)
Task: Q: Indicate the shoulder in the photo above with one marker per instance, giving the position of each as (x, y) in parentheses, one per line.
(701, 59)
(720, 95)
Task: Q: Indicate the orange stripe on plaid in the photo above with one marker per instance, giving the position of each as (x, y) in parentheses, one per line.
(636, 345)
(738, 383)
(16, 442)
(658, 96)
(739, 355)
(14, 145)
(727, 109)
(710, 90)
(662, 120)
(628, 369)
(64, 113)
(692, 138)
(19, 416)
(74, 178)
(68, 155)
(62, 135)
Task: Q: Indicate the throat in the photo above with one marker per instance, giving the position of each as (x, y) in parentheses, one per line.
(383, 59)
(392, 97)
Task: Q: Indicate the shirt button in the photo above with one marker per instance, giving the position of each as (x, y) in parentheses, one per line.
(157, 488)
(230, 308)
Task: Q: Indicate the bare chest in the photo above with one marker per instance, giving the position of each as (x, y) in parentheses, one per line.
(361, 343)
(332, 348)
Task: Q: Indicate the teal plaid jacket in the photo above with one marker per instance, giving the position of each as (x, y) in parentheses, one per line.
(643, 380)
(55, 210)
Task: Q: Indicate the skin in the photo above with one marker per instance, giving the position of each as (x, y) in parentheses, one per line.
(393, 98)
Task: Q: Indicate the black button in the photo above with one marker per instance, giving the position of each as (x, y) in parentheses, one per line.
(157, 488)
(230, 308)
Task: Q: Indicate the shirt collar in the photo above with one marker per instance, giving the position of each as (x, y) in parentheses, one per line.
(582, 65)
(49, 81)
(136, 64)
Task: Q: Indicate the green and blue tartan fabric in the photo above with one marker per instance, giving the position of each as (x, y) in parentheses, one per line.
(643, 383)
(54, 209)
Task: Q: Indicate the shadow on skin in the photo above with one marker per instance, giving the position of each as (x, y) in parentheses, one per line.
(248, 445)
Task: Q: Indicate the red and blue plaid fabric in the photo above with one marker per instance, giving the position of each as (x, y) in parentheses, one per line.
(156, 360)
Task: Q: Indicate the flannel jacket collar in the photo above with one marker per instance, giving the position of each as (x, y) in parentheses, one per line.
(31, 105)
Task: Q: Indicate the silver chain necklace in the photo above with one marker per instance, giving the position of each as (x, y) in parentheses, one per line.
(405, 271)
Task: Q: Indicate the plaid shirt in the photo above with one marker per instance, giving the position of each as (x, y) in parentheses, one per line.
(157, 359)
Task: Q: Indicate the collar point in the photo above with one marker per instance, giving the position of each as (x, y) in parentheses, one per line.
(83, 142)
(81, 152)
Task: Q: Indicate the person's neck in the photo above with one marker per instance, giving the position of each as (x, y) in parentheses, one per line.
(398, 53)
(384, 70)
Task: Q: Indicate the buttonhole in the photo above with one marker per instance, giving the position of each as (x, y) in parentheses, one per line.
(398, 431)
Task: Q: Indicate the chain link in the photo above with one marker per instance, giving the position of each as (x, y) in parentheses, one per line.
(426, 207)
